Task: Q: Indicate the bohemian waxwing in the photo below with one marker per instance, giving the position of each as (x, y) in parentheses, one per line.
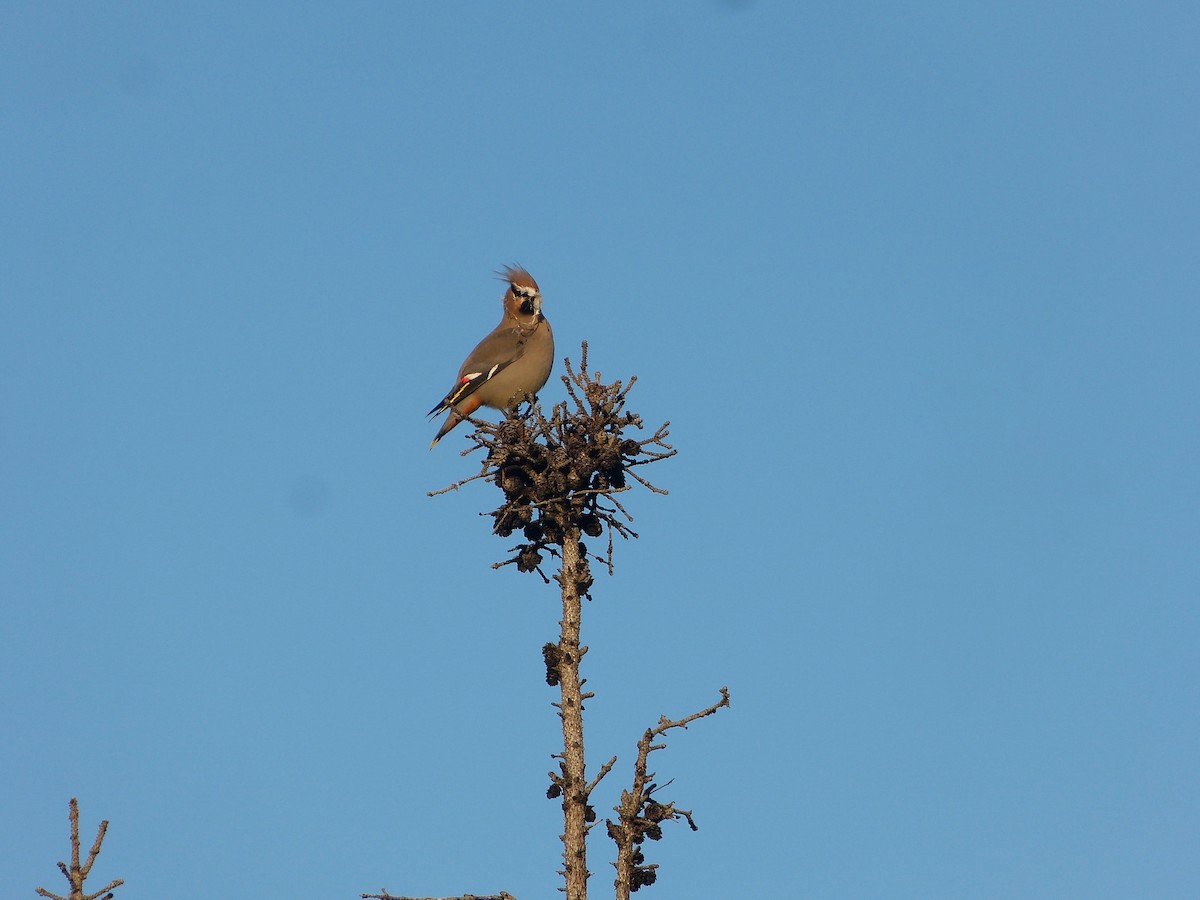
(515, 359)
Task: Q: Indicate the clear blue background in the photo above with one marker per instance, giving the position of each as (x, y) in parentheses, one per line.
(916, 286)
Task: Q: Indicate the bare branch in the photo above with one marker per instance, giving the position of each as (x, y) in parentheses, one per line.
(77, 873)
(639, 815)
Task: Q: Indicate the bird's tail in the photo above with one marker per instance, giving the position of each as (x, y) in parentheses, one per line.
(457, 414)
(451, 420)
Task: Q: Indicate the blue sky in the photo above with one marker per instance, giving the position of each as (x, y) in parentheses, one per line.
(915, 285)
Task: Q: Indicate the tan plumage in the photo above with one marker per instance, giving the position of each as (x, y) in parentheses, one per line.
(515, 359)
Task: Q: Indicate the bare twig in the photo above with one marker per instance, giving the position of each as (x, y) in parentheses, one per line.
(604, 770)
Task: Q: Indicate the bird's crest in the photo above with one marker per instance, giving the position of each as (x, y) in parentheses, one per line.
(518, 277)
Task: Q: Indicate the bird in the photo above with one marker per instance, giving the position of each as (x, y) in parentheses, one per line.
(512, 361)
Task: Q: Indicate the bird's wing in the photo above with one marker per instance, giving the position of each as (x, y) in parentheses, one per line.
(493, 355)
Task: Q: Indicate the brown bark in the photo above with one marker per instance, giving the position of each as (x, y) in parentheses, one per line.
(570, 709)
